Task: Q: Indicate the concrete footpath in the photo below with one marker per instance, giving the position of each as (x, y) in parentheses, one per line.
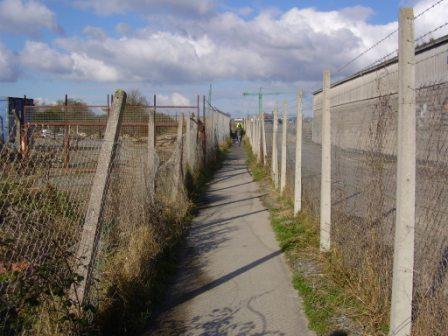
(233, 279)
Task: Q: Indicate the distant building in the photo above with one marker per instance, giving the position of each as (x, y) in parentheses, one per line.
(7, 120)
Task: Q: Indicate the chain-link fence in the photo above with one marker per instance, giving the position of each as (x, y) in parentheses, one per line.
(47, 181)
(364, 146)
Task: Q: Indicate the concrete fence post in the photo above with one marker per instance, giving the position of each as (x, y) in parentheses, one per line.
(251, 123)
(258, 139)
(263, 132)
(90, 235)
(178, 177)
(253, 135)
(188, 141)
(212, 131)
(249, 128)
(194, 144)
(325, 197)
(274, 148)
(151, 152)
(402, 283)
(298, 163)
(284, 139)
(204, 142)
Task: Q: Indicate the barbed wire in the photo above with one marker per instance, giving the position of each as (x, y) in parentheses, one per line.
(366, 51)
(421, 37)
(389, 36)
(428, 9)
(380, 60)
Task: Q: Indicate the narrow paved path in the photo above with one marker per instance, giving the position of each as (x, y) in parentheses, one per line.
(233, 280)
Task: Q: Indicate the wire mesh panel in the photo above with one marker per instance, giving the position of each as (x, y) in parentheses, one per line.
(364, 119)
(46, 178)
(431, 237)
(217, 128)
(45, 181)
(364, 134)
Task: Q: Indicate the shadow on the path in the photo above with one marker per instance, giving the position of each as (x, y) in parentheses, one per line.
(206, 241)
(232, 168)
(230, 187)
(219, 322)
(231, 202)
(226, 177)
(224, 220)
(215, 283)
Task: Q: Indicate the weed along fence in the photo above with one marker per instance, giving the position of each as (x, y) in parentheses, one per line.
(374, 171)
(91, 197)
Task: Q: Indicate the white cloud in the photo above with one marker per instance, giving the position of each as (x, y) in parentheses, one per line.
(9, 70)
(44, 101)
(149, 7)
(175, 98)
(87, 68)
(289, 47)
(41, 57)
(278, 47)
(430, 20)
(26, 17)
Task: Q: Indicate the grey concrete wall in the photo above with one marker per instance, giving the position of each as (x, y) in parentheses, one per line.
(364, 110)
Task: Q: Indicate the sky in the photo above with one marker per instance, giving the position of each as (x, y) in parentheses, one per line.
(177, 48)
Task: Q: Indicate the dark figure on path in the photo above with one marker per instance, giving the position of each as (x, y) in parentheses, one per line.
(239, 134)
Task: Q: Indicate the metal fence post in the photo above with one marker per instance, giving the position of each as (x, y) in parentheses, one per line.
(298, 163)
(92, 224)
(325, 197)
(402, 283)
(274, 148)
(284, 133)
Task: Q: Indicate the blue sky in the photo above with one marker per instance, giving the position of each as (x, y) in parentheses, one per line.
(175, 48)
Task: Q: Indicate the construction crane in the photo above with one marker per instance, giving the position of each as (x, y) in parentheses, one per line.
(260, 95)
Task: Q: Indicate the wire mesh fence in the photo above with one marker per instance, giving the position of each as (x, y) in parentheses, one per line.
(364, 147)
(46, 179)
